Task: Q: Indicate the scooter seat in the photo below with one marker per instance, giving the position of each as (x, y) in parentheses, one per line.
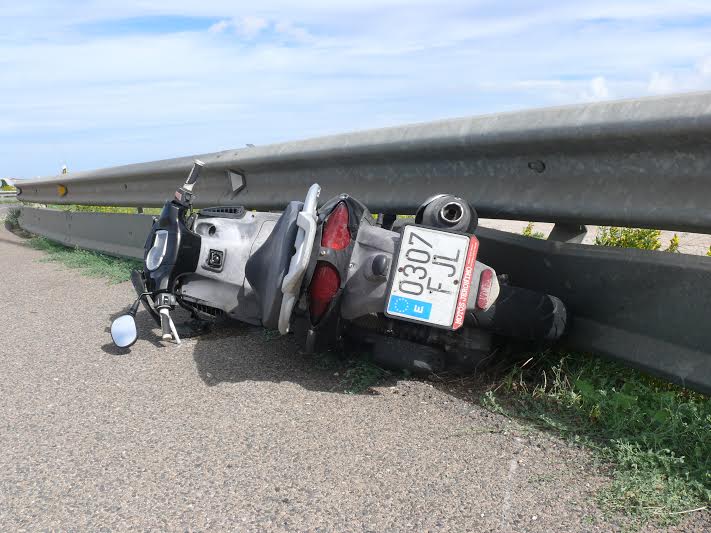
(266, 268)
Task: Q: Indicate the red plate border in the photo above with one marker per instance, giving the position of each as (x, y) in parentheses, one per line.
(460, 312)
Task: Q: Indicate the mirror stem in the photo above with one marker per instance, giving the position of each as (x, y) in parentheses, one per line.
(134, 307)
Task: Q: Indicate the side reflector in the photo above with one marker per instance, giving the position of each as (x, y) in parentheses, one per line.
(62, 190)
(323, 288)
(482, 300)
(335, 231)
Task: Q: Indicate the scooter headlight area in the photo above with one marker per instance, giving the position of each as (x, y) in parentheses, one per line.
(156, 254)
(410, 290)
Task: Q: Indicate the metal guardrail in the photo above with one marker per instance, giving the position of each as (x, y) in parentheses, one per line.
(8, 194)
(648, 309)
(112, 233)
(642, 163)
(638, 163)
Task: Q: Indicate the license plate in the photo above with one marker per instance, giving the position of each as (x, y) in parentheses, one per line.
(432, 277)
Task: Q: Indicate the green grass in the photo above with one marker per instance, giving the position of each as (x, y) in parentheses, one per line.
(656, 436)
(103, 209)
(92, 264)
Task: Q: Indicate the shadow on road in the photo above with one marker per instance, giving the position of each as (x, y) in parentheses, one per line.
(233, 352)
(238, 352)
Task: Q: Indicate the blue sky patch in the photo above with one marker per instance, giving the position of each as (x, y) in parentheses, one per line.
(146, 25)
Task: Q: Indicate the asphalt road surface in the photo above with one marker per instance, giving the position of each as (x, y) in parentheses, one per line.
(239, 431)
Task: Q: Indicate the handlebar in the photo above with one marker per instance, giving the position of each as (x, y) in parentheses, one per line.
(168, 326)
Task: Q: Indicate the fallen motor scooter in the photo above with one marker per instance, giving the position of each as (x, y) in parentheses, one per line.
(412, 290)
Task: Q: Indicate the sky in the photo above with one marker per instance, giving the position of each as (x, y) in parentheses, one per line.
(92, 84)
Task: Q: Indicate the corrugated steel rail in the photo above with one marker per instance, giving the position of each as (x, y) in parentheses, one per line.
(116, 234)
(639, 163)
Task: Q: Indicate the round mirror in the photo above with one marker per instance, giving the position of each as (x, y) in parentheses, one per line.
(123, 331)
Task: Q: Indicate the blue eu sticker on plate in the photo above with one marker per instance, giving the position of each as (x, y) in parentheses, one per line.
(409, 307)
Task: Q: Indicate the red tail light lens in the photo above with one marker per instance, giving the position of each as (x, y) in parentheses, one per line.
(323, 288)
(335, 232)
(326, 281)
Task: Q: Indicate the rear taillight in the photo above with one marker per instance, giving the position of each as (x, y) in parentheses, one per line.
(326, 280)
(323, 288)
(336, 234)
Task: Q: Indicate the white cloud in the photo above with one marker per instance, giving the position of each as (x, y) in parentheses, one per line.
(276, 70)
(247, 27)
(219, 27)
(599, 89)
(705, 67)
(595, 89)
(661, 83)
(292, 32)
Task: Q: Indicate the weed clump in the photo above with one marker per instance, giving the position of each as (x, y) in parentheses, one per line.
(12, 219)
(528, 232)
(361, 375)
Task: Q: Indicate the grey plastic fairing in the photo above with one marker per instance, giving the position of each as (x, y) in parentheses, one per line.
(307, 228)
(365, 293)
(229, 290)
(266, 268)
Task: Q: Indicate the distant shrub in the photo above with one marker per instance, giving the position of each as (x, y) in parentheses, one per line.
(641, 238)
(644, 239)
